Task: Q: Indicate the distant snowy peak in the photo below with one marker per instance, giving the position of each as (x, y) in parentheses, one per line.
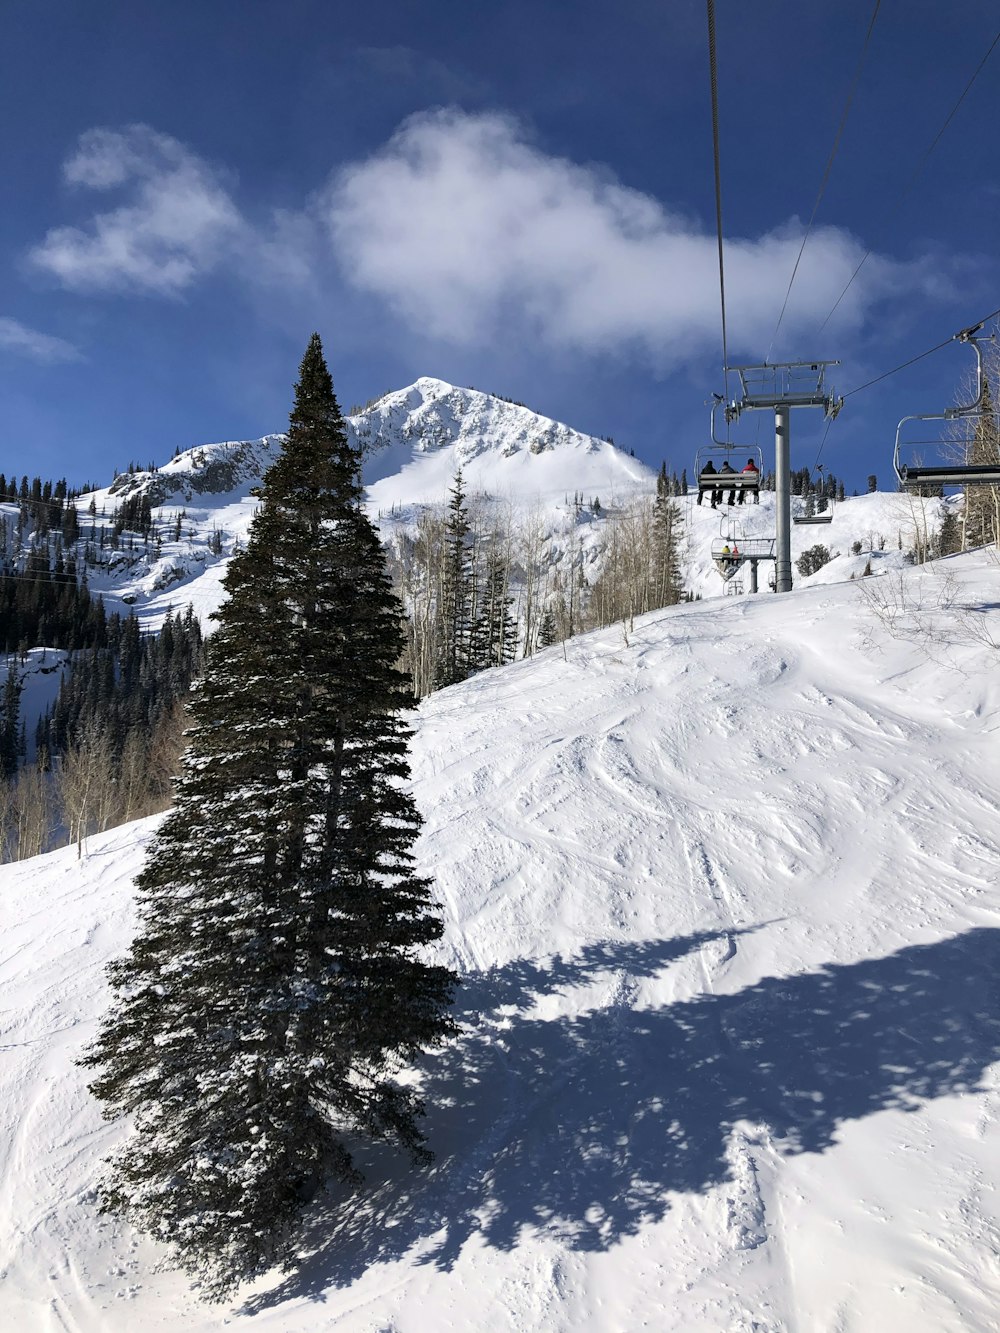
(432, 414)
(431, 429)
(428, 430)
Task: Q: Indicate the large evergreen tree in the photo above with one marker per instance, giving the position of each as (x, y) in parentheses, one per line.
(276, 984)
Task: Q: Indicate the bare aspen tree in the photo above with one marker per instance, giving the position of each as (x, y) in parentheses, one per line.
(32, 823)
(425, 576)
(163, 757)
(982, 503)
(8, 821)
(86, 786)
(915, 524)
(133, 782)
(641, 562)
(531, 558)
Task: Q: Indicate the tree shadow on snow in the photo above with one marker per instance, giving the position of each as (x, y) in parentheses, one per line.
(585, 1126)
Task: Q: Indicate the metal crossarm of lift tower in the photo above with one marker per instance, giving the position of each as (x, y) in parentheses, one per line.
(784, 384)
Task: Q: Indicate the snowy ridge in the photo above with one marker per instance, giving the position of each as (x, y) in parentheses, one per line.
(726, 900)
(208, 469)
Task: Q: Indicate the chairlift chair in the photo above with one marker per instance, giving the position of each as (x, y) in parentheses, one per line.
(916, 475)
(732, 549)
(826, 516)
(727, 557)
(725, 452)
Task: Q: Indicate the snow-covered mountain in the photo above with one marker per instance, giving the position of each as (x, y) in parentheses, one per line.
(413, 441)
(524, 465)
(726, 901)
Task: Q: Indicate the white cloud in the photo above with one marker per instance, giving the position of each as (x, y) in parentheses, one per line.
(467, 230)
(472, 235)
(17, 337)
(176, 223)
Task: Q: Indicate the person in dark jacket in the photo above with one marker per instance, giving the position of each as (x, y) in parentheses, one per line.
(713, 493)
(722, 472)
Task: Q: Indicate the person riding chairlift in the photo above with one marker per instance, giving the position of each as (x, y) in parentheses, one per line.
(753, 471)
(716, 495)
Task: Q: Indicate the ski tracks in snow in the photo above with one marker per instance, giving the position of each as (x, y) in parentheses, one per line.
(747, 1223)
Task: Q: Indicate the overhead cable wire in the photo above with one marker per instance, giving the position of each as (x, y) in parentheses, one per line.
(713, 70)
(826, 174)
(916, 175)
(53, 581)
(919, 357)
(817, 465)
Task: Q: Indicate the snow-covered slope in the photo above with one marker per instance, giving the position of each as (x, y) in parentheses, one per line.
(726, 899)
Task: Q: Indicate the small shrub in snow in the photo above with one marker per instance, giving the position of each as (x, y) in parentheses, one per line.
(815, 558)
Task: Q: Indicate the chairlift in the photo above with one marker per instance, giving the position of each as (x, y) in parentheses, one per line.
(821, 516)
(731, 550)
(718, 470)
(727, 557)
(940, 471)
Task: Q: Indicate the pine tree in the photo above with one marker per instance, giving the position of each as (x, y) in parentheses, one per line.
(456, 610)
(949, 540)
(10, 705)
(494, 638)
(548, 634)
(667, 577)
(275, 987)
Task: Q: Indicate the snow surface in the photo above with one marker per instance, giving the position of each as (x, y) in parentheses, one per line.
(726, 899)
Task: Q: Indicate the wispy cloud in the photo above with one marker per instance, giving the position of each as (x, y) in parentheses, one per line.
(175, 224)
(470, 234)
(469, 230)
(18, 338)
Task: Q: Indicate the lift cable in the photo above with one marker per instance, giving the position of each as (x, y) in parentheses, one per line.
(916, 175)
(826, 173)
(914, 359)
(713, 68)
(57, 581)
(829, 423)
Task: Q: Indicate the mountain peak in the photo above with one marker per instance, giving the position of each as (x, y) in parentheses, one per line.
(501, 445)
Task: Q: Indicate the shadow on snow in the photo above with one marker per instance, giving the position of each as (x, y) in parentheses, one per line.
(584, 1126)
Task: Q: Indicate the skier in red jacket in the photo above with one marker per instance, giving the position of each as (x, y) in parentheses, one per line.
(754, 472)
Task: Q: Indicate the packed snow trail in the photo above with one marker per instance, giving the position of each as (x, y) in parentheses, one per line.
(726, 900)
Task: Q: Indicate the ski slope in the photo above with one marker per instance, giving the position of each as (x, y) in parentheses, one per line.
(724, 891)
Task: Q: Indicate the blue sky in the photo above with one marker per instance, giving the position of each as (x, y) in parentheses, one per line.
(517, 197)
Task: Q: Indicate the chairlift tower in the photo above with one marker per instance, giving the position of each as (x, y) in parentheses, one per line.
(779, 387)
